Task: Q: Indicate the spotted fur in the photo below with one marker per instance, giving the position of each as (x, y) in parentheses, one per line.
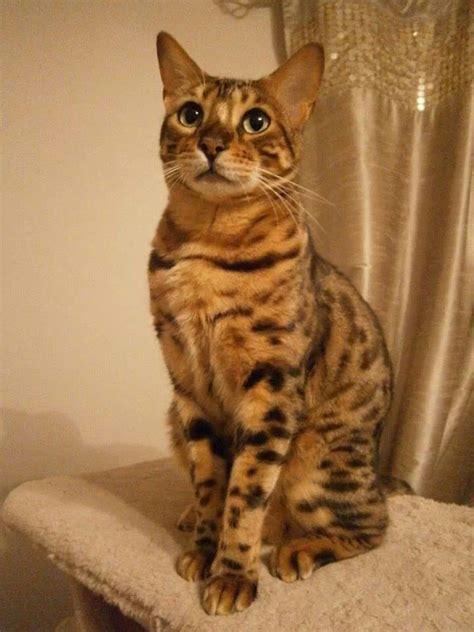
(280, 373)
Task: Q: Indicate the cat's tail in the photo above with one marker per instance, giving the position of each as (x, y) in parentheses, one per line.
(392, 486)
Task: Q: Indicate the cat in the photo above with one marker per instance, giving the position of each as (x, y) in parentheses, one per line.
(280, 373)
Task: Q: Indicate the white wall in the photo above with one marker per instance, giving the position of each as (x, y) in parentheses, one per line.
(84, 386)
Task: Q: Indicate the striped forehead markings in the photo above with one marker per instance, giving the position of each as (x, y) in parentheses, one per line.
(228, 99)
(227, 86)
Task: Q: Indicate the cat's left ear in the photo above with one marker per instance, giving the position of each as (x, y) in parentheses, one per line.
(178, 71)
(295, 84)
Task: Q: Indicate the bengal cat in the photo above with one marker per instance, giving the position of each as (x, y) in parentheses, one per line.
(280, 372)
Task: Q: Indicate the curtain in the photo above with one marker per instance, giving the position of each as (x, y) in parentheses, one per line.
(388, 151)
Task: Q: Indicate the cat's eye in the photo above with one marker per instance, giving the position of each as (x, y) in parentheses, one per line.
(255, 121)
(190, 114)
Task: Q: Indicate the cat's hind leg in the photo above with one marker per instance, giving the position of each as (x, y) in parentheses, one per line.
(334, 503)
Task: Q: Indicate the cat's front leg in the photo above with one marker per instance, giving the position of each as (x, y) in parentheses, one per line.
(266, 419)
(206, 451)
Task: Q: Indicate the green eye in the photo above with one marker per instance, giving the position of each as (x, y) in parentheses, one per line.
(255, 121)
(190, 114)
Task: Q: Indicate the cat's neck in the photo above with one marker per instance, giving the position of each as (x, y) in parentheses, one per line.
(196, 215)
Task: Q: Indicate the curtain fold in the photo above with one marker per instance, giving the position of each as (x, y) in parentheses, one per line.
(388, 151)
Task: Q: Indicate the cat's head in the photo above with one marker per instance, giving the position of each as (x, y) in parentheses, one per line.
(225, 138)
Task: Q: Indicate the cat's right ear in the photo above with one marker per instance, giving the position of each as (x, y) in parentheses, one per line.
(178, 71)
(296, 83)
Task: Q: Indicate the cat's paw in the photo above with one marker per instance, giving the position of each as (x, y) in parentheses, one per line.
(290, 563)
(187, 519)
(225, 594)
(195, 565)
(298, 559)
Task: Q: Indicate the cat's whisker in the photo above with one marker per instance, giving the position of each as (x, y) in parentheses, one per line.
(275, 176)
(171, 164)
(285, 204)
(294, 184)
(261, 187)
(297, 202)
(171, 168)
(170, 175)
(173, 181)
(245, 192)
(291, 183)
(305, 192)
(275, 198)
(309, 215)
(169, 172)
(281, 200)
(287, 191)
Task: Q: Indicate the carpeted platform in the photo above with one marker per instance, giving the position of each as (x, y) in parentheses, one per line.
(114, 532)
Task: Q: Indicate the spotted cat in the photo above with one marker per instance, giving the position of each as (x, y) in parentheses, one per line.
(280, 372)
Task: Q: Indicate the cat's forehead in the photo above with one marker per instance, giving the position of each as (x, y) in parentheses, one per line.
(215, 91)
(224, 88)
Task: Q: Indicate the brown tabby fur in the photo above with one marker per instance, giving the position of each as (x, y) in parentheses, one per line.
(280, 372)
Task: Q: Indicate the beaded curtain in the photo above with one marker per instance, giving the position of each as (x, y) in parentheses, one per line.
(388, 151)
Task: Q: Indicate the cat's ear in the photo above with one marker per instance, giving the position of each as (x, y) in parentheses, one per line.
(295, 84)
(178, 71)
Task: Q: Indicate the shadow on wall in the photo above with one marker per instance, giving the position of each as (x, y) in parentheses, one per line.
(49, 444)
(38, 446)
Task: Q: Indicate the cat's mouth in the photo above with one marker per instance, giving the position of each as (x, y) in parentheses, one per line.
(211, 175)
(217, 181)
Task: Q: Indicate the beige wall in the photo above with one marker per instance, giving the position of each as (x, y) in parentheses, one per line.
(84, 385)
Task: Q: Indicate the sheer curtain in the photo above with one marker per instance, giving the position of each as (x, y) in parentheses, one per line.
(389, 152)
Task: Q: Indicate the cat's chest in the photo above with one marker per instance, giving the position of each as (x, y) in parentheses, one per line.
(192, 295)
(185, 300)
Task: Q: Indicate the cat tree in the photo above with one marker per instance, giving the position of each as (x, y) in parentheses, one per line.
(113, 534)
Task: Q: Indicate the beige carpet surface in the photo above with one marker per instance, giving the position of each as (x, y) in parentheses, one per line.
(114, 532)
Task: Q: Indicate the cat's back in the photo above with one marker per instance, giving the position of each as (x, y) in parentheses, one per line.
(351, 338)
(337, 291)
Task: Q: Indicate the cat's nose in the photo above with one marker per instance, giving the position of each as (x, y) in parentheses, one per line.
(211, 147)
